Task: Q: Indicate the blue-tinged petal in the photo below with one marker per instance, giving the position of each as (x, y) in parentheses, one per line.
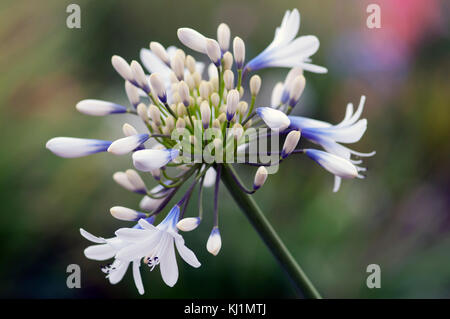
(334, 164)
(148, 160)
(99, 107)
(70, 147)
(127, 144)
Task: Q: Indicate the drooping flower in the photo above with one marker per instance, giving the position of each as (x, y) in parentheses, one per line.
(329, 136)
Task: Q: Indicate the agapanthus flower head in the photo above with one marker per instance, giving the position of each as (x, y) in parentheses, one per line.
(198, 124)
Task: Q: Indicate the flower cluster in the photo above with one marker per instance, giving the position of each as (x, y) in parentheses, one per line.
(195, 125)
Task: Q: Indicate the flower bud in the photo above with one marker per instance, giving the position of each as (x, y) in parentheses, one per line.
(227, 60)
(228, 79)
(205, 111)
(239, 52)
(238, 131)
(215, 99)
(127, 144)
(129, 130)
(139, 76)
(213, 51)
(260, 177)
(99, 107)
(123, 213)
(132, 94)
(177, 66)
(192, 39)
(290, 143)
(232, 103)
(242, 107)
(158, 87)
(136, 181)
(180, 125)
(214, 242)
(190, 63)
(160, 52)
(122, 179)
(142, 112)
(204, 90)
(255, 85)
(223, 36)
(155, 114)
(122, 67)
(296, 90)
(183, 91)
(188, 224)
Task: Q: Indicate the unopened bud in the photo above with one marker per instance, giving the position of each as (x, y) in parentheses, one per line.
(260, 177)
(255, 85)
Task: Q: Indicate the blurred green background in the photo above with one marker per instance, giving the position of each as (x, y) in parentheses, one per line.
(399, 217)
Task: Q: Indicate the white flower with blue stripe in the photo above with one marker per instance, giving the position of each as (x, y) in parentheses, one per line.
(287, 51)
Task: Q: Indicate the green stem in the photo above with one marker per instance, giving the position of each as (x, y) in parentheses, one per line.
(269, 236)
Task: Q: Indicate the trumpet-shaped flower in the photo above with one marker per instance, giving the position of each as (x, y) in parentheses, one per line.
(350, 130)
(156, 244)
(285, 51)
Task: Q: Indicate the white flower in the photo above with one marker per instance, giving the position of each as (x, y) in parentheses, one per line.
(148, 160)
(127, 144)
(275, 119)
(99, 107)
(156, 244)
(76, 147)
(350, 130)
(213, 51)
(223, 37)
(239, 52)
(232, 103)
(107, 249)
(284, 51)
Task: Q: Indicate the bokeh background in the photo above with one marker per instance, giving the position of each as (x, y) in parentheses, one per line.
(399, 217)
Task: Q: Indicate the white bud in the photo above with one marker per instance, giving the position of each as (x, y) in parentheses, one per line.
(155, 114)
(183, 91)
(213, 51)
(204, 90)
(156, 174)
(139, 75)
(232, 103)
(122, 67)
(255, 85)
(132, 93)
(158, 87)
(160, 52)
(223, 36)
(142, 111)
(242, 107)
(215, 99)
(205, 111)
(136, 180)
(227, 60)
(260, 177)
(180, 125)
(127, 144)
(99, 107)
(277, 93)
(127, 214)
(239, 52)
(129, 130)
(214, 242)
(122, 179)
(188, 224)
(190, 81)
(192, 39)
(228, 79)
(238, 131)
(190, 64)
(290, 143)
(296, 90)
(177, 65)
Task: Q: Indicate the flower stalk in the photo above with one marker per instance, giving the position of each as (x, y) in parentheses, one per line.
(268, 234)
